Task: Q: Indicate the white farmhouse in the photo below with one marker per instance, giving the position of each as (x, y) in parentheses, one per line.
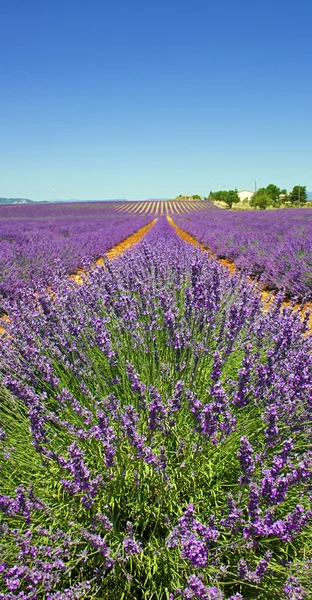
(245, 195)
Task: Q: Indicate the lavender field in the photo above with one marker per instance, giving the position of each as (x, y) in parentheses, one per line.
(155, 438)
(274, 245)
(37, 240)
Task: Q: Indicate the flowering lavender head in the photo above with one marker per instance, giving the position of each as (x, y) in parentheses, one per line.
(245, 455)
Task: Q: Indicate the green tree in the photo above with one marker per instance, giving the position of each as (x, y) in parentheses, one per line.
(298, 194)
(261, 199)
(196, 197)
(229, 197)
(220, 196)
(274, 192)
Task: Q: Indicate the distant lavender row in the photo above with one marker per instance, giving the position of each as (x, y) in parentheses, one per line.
(276, 244)
(33, 238)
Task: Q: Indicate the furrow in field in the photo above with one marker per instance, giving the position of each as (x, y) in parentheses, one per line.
(123, 208)
(136, 208)
(141, 208)
(117, 250)
(128, 242)
(4, 319)
(185, 207)
(190, 206)
(267, 297)
(183, 234)
(132, 207)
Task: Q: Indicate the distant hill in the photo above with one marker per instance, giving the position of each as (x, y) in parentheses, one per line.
(16, 201)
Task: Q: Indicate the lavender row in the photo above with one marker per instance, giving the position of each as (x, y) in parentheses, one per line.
(36, 240)
(274, 245)
(155, 436)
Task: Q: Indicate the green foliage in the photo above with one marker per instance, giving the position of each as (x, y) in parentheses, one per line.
(219, 196)
(273, 191)
(196, 197)
(261, 199)
(232, 198)
(298, 194)
(268, 196)
(229, 197)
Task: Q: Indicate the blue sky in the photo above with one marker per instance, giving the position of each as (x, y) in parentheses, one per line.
(133, 99)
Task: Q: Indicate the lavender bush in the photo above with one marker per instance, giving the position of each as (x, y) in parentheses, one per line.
(274, 245)
(34, 240)
(155, 437)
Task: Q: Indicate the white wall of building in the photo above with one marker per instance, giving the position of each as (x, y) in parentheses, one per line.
(245, 194)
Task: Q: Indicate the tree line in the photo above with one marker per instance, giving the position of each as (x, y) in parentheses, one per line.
(264, 197)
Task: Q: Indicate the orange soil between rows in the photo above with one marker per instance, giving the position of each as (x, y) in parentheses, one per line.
(191, 240)
(267, 296)
(117, 250)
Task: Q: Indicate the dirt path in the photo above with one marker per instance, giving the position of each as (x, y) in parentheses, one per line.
(191, 240)
(116, 250)
(267, 297)
(110, 254)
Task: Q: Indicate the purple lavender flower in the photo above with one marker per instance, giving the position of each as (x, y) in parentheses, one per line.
(196, 589)
(271, 432)
(195, 551)
(293, 590)
(245, 455)
(130, 545)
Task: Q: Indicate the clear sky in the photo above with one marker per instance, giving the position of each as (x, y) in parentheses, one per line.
(149, 99)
